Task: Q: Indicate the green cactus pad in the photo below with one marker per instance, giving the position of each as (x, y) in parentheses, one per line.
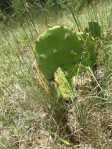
(89, 54)
(60, 47)
(94, 29)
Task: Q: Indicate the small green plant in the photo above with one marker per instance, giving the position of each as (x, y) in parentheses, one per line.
(60, 47)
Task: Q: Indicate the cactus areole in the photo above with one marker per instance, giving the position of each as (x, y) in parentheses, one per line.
(60, 47)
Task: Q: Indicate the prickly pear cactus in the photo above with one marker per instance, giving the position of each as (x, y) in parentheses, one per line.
(60, 47)
(94, 28)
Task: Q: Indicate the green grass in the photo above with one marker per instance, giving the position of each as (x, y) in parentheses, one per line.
(25, 114)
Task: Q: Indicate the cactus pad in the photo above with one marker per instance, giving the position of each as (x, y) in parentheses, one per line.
(60, 47)
(94, 29)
